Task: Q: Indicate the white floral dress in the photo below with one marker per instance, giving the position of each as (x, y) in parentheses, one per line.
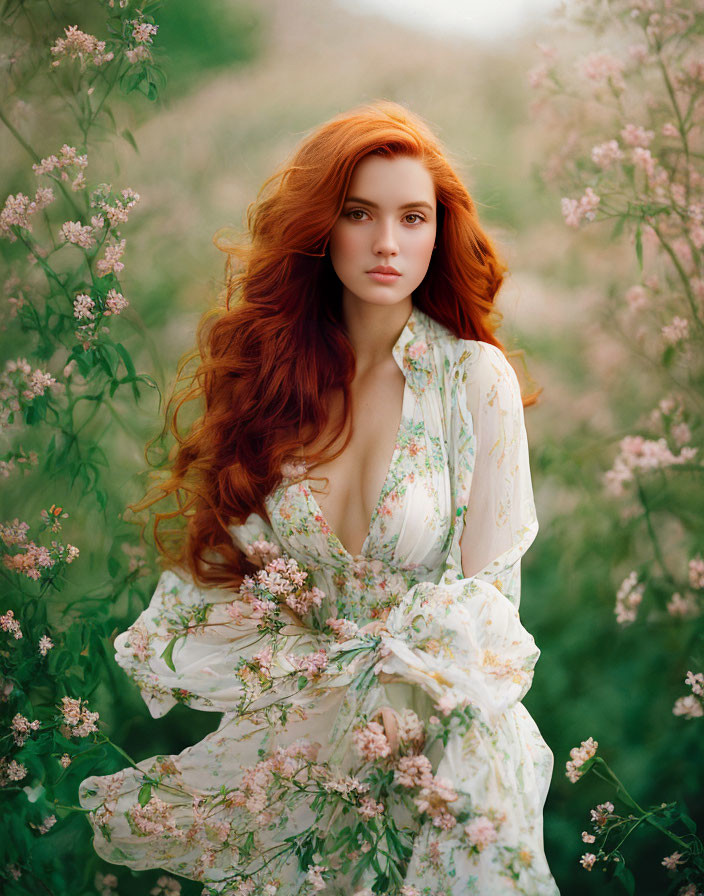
(457, 808)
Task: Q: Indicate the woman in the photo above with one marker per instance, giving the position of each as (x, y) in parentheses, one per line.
(363, 639)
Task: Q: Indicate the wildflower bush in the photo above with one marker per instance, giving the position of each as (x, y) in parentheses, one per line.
(67, 387)
(629, 112)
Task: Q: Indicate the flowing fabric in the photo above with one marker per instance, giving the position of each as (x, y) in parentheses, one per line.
(452, 661)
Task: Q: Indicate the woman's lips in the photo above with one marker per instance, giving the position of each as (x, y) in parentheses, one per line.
(383, 278)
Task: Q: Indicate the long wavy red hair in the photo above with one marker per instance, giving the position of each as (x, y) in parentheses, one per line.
(269, 355)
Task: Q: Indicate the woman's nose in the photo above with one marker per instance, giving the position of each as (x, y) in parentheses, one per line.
(385, 241)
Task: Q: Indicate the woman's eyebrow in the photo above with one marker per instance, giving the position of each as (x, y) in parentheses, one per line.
(374, 205)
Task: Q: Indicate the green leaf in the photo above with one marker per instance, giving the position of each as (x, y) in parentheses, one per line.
(145, 793)
(168, 652)
(639, 246)
(127, 361)
(625, 878)
(129, 137)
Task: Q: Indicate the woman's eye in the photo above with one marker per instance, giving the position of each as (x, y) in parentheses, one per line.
(360, 211)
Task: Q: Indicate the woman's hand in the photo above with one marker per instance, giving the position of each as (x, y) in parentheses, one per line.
(373, 627)
(390, 723)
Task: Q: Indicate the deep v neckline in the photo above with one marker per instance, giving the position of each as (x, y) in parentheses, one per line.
(382, 494)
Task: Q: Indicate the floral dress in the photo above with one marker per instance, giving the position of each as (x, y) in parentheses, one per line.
(301, 788)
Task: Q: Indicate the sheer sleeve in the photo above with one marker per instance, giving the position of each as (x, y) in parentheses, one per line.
(199, 668)
(500, 522)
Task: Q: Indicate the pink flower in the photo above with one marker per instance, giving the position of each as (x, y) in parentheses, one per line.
(669, 130)
(110, 263)
(588, 838)
(143, 32)
(371, 742)
(605, 154)
(79, 45)
(644, 160)
(446, 704)
(83, 307)
(676, 330)
(414, 771)
(689, 707)
(115, 302)
(588, 860)
(78, 234)
(635, 135)
(580, 755)
(314, 876)
(10, 624)
(672, 861)
(696, 572)
(628, 599)
(601, 66)
(636, 297)
(481, 832)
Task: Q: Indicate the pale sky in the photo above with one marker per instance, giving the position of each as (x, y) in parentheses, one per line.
(473, 18)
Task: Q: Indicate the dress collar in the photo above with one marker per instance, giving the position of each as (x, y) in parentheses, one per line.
(412, 351)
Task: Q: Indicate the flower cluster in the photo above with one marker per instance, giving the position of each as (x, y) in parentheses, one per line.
(691, 706)
(141, 36)
(115, 207)
(628, 599)
(584, 208)
(18, 210)
(22, 727)
(640, 455)
(580, 755)
(78, 45)
(8, 623)
(21, 460)
(31, 559)
(78, 721)
(280, 582)
(68, 164)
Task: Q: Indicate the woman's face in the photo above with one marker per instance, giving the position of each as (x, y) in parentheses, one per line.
(388, 219)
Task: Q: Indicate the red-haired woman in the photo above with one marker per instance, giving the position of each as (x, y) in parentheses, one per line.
(361, 639)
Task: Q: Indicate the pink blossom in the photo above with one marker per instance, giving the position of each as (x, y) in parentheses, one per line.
(156, 817)
(696, 682)
(600, 66)
(45, 645)
(446, 704)
(78, 234)
(628, 598)
(79, 45)
(588, 838)
(636, 135)
(314, 876)
(637, 298)
(644, 160)
(79, 721)
(69, 158)
(370, 741)
(18, 210)
(696, 572)
(143, 32)
(344, 629)
(370, 808)
(414, 771)
(10, 624)
(580, 755)
(669, 130)
(311, 665)
(115, 302)
(137, 54)
(83, 307)
(22, 727)
(682, 606)
(605, 154)
(676, 330)
(587, 860)
(689, 707)
(481, 832)
(110, 263)
(65, 760)
(15, 771)
(672, 861)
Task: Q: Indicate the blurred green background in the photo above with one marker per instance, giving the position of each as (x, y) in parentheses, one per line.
(245, 82)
